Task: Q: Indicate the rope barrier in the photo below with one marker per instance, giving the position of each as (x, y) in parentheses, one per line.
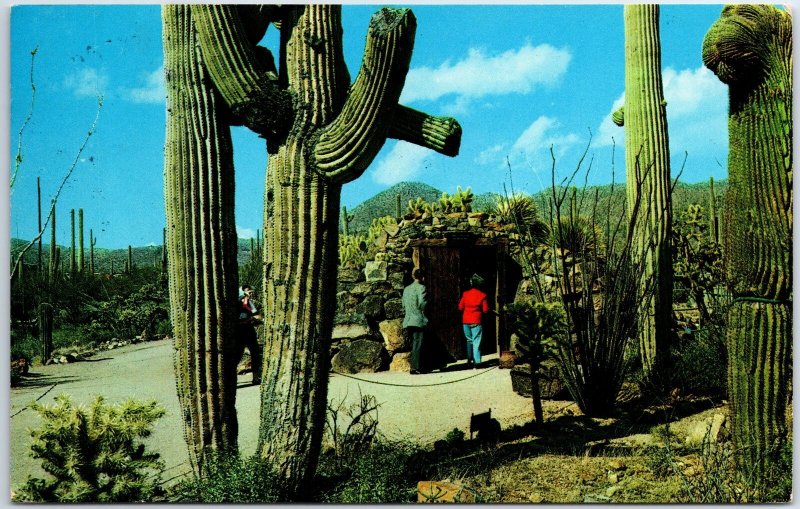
(34, 401)
(762, 300)
(414, 385)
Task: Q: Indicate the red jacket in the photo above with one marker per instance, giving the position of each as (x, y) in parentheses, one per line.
(473, 305)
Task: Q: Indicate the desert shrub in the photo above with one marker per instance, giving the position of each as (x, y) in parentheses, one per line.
(229, 479)
(94, 454)
(360, 431)
(386, 472)
(699, 364)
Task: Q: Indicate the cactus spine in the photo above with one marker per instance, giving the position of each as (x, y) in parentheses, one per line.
(81, 261)
(72, 242)
(750, 49)
(648, 183)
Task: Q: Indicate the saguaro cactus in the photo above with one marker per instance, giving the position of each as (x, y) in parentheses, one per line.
(46, 329)
(92, 242)
(333, 133)
(648, 182)
(750, 49)
(72, 258)
(53, 248)
(81, 260)
(199, 197)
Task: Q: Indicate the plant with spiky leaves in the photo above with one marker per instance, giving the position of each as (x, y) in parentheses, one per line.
(94, 454)
(750, 49)
(648, 182)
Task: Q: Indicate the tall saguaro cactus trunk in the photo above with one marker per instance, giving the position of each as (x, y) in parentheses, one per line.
(750, 49)
(335, 133)
(200, 241)
(648, 184)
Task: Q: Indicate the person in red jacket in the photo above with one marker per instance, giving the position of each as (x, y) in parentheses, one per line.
(473, 306)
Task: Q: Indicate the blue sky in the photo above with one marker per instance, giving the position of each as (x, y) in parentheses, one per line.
(519, 78)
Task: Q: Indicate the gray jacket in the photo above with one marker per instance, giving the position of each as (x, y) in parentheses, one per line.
(414, 302)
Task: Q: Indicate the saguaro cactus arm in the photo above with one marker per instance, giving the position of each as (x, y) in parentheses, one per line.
(441, 134)
(349, 144)
(244, 77)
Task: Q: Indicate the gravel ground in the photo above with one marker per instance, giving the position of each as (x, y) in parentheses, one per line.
(421, 408)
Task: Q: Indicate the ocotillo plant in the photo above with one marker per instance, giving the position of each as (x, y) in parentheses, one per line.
(648, 176)
(199, 200)
(337, 129)
(750, 49)
(72, 258)
(81, 261)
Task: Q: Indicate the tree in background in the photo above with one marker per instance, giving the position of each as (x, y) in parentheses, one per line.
(648, 183)
(750, 49)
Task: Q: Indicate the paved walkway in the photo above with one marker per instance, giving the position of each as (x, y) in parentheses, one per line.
(422, 408)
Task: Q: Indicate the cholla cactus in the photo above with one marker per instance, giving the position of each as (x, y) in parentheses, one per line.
(446, 204)
(463, 199)
(377, 226)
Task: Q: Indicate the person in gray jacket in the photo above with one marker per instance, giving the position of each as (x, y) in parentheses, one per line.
(414, 303)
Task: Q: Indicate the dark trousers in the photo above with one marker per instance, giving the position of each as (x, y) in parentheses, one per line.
(416, 334)
(246, 338)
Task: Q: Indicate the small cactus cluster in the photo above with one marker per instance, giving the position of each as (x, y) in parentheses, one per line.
(460, 201)
(352, 250)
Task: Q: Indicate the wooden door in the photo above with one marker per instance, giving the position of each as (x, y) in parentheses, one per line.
(444, 336)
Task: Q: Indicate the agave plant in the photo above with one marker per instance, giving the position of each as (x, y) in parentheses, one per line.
(521, 211)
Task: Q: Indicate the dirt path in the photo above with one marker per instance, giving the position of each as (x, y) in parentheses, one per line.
(421, 408)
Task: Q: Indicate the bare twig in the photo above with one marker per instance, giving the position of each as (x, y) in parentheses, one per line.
(18, 159)
(64, 180)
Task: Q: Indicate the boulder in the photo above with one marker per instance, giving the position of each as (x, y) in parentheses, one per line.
(708, 429)
(360, 356)
(349, 331)
(345, 302)
(393, 308)
(440, 492)
(349, 275)
(396, 279)
(550, 384)
(371, 306)
(392, 229)
(361, 289)
(375, 271)
(394, 338)
(351, 318)
(401, 362)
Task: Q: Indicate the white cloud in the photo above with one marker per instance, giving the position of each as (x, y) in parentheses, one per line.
(492, 154)
(153, 90)
(87, 82)
(403, 162)
(245, 233)
(690, 92)
(478, 74)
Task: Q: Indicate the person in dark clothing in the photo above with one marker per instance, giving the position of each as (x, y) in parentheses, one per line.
(414, 321)
(246, 331)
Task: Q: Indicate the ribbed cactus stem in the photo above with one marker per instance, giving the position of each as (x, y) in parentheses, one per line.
(648, 184)
(199, 200)
(81, 260)
(164, 252)
(750, 49)
(53, 250)
(45, 323)
(129, 263)
(92, 242)
(40, 262)
(712, 207)
(72, 258)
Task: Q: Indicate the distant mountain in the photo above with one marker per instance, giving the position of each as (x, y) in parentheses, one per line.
(385, 203)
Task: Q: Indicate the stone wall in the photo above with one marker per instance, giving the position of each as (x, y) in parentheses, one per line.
(368, 334)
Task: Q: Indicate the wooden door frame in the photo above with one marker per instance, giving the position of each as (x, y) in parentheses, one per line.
(468, 239)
